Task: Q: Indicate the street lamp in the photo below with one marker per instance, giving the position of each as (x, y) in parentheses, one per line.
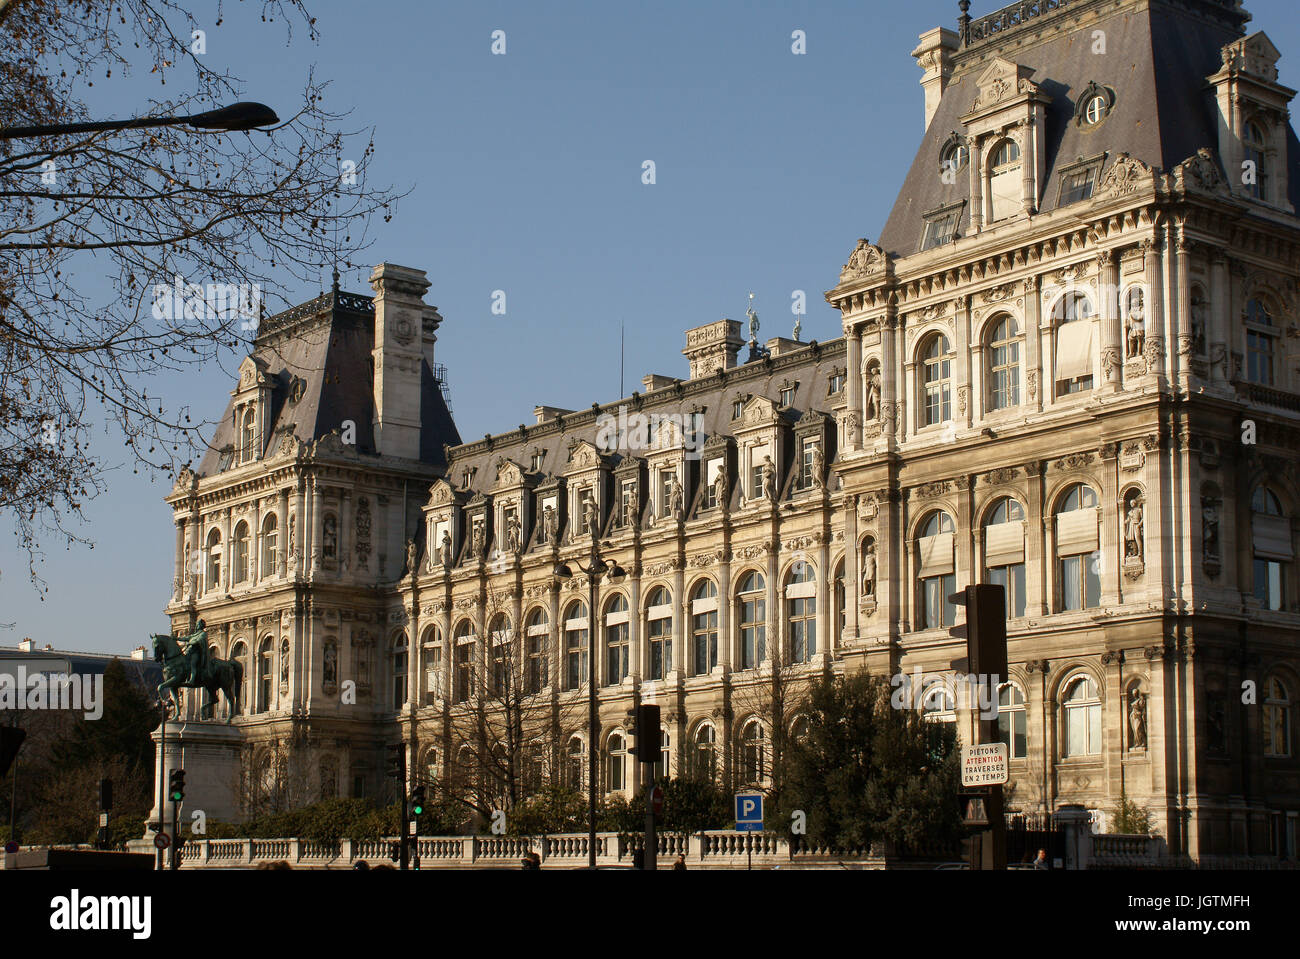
(595, 568)
(236, 117)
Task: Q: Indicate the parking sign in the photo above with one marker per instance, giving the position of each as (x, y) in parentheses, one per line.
(749, 812)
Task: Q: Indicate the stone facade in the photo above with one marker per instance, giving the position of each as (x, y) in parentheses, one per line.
(1084, 384)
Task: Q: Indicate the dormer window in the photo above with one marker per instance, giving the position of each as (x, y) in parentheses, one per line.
(1006, 183)
(836, 383)
(941, 227)
(787, 396)
(1255, 153)
(537, 461)
(247, 435)
(953, 159)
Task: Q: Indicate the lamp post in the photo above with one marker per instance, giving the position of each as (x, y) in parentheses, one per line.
(595, 568)
(236, 117)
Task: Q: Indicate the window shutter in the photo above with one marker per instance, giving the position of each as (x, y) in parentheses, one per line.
(801, 590)
(936, 554)
(659, 612)
(1074, 350)
(1004, 544)
(1272, 537)
(1076, 532)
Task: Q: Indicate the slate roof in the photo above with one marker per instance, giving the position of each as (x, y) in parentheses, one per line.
(326, 344)
(1158, 57)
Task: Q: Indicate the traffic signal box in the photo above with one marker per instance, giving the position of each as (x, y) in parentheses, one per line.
(647, 734)
(176, 786)
(985, 636)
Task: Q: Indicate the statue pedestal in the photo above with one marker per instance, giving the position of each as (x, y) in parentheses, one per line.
(209, 752)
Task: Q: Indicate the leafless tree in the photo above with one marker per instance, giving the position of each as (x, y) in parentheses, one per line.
(98, 231)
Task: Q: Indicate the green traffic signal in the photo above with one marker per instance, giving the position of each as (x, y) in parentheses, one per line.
(177, 785)
(417, 801)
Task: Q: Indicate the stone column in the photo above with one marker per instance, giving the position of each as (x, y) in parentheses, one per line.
(775, 595)
(1029, 162)
(282, 559)
(827, 639)
(317, 526)
(1036, 376)
(1181, 341)
(854, 386)
(852, 575)
(890, 374)
(976, 164)
(1112, 336)
(725, 596)
(1220, 308)
(1153, 278)
(1040, 555)
(1110, 542)
(345, 534)
(228, 557)
(301, 529)
(966, 376)
(179, 572)
(681, 632)
(255, 543)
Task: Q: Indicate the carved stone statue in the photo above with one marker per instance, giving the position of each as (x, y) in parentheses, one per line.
(477, 541)
(1136, 338)
(331, 534)
(444, 548)
(590, 519)
(720, 490)
(818, 468)
(869, 571)
(513, 530)
(1209, 530)
(550, 524)
(330, 672)
(1134, 521)
(676, 499)
(412, 555)
(873, 397)
(769, 479)
(1137, 719)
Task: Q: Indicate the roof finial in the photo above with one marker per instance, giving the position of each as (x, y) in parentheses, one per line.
(963, 22)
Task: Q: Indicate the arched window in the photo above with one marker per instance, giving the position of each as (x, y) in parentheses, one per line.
(247, 435)
(840, 600)
(1080, 718)
(799, 729)
(536, 669)
(704, 764)
(1271, 544)
(1261, 343)
(1011, 720)
(575, 645)
(212, 580)
(1004, 552)
(936, 381)
(937, 705)
(659, 630)
(464, 654)
(240, 558)
(430, 764)
(1255, 151)
(1073, 326)
(1003, 359)
(704, 628)
(270, 558)
(1096, 109)
(573, 766)
(1006, 181)
(753, 753)
(616, 640)
(617, 752)
(1277, 719)
(1078, 579)
(954, 158)
(935, 551)
(501, 635)
(751, 602)
(265, 675)
(399, 671)
(434, 683)
(801, 611)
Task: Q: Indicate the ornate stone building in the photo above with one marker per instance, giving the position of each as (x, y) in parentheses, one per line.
(1070, 365)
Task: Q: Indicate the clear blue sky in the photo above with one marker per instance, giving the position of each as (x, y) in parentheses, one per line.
(526, 176)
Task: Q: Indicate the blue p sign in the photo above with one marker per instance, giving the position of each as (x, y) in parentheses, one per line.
(749, 812)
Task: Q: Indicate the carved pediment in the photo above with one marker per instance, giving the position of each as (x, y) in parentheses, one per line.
(583, 456)
(1254, 55)
(759, 411)
(441, 493)
(252, 373)
(1200, 172)
(1127, 175)
(865, 260)
(1001, 80)
(509, 474)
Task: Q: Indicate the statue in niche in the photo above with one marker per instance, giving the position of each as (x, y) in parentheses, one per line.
(1137, 719)
(1135, 326)
(293, 551)
(589, 518)
(1134, 522)
(768, 479)
(676, 499)
(873, 395)
(331, 668)
(412, 555)
(331, 535)
(869, 571)
(550, 524)
(1209, 530)
(818, 468)
(284, 662)
(1198, 325)
(720, 490)
(477, 541)
(444, 548)
(513, 529)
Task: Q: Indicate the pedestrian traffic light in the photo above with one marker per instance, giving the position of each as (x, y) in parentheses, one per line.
(647, 733)
(985, 629)
(176, 785)
(417, 801)
(396, 765)
(11, 738)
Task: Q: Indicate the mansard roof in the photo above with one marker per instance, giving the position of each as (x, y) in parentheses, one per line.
(1159, 54)
(318, 358)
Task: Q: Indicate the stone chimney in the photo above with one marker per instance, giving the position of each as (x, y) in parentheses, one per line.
(404, 328)
(27, 644)
(713, 347)
(934, 56)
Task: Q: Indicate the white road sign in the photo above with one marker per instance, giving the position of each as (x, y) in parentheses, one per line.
(984, 765)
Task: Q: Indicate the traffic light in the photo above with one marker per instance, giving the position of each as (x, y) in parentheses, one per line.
(985, 629)
(394, 851)
(105, 795)
(417, 801)
(176, 785)
(396, 764)
(11, 738)
(647, 733)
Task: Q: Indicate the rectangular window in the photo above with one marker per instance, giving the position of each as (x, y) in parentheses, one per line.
(1080, 583)
(705, 628)
(787, 396)
(625, 517)
(661, 647)
(806, 463)
(836, 383)
(433, 690)
(803, 629)
(536, 663)
(940, 230)
(1012, 580)
(575, 657)
(1011, 730)
(665, 490)
(936, 611)
(1259, 358)
(616, 645)
(753, 632)
(1077, 185)
(464, 671)
(1268, 583)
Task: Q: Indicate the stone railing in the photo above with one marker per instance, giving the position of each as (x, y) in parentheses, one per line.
(720, 849)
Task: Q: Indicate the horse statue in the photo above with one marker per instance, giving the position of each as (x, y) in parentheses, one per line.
(187, 665)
